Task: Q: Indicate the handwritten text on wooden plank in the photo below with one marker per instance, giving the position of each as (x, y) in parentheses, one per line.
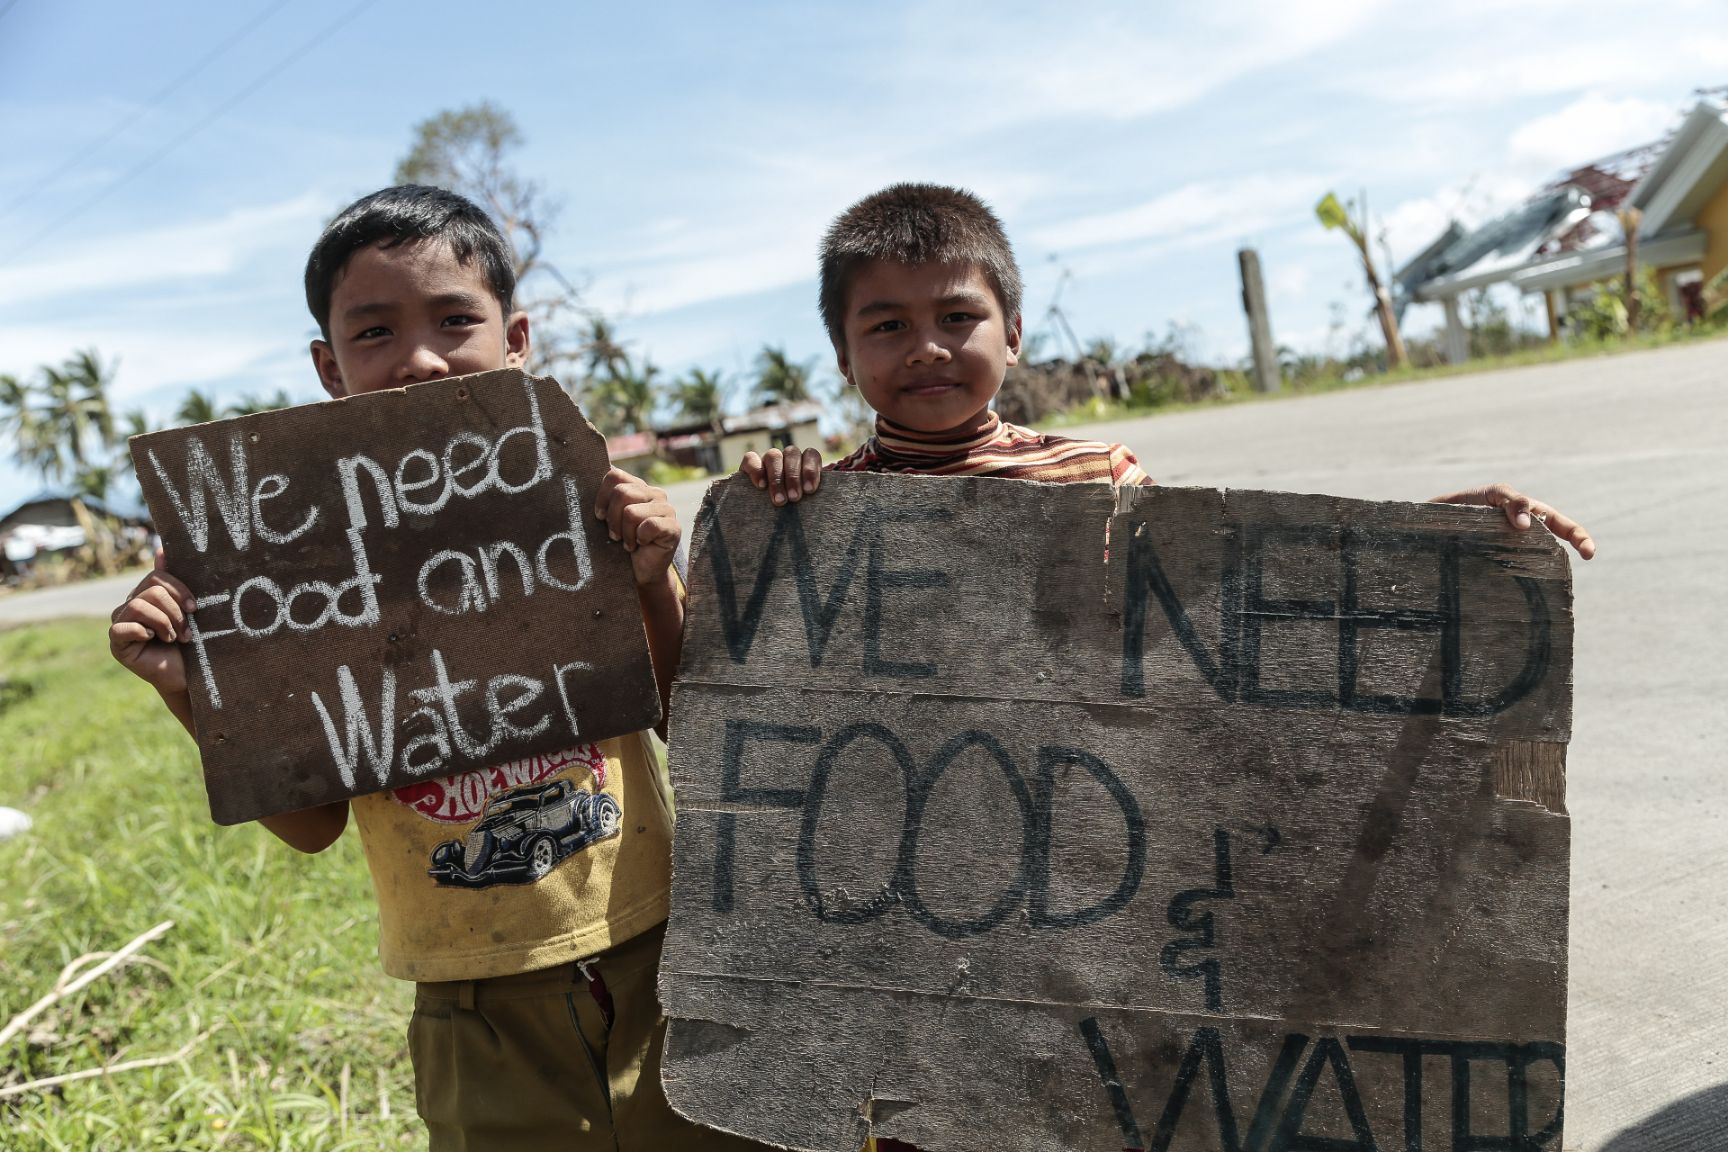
(395, 587)
(1012, 818)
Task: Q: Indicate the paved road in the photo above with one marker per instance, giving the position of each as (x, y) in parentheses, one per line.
(91, 598)
(1635, 446)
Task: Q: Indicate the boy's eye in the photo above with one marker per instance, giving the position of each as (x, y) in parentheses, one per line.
(460, 320)
(889, 326)
(373, 333)
(958, 318)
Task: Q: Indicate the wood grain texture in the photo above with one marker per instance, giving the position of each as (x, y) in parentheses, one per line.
(395, 587)
(1010, 818)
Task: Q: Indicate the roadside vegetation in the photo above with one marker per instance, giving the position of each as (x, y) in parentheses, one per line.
(280, 1030)
(1160, 378)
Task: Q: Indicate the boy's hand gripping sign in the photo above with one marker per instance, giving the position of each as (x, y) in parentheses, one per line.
(395, 587)
(1017, 816)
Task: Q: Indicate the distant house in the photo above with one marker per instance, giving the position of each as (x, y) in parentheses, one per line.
(46, 523)
(1567, 237)
(633, 451)
(701, 445)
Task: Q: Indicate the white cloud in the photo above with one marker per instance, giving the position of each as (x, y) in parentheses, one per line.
(1590, 128)
(1487, 53)
(154, 362)
(755, 227)
(188, 252)
(1199, 213)
(1072, 61)
(717, 274)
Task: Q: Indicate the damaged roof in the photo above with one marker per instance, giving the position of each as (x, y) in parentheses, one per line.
(1567, 224)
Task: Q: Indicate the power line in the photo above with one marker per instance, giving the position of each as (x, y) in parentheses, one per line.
(149, 106)
(215, 114)
(7, 7)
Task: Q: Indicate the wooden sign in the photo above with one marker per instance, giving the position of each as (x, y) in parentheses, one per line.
(395, 587)
(1013, 819)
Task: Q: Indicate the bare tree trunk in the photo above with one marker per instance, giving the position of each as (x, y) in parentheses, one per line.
(96, 535)
(1630, 220)
(1395, 355)
(1632, 301)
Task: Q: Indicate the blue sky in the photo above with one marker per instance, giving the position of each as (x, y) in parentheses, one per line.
(698, 149)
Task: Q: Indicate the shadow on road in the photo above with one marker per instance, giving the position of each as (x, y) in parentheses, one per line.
(1699, 1123)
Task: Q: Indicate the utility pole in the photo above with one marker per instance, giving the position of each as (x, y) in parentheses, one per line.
(1266, 375)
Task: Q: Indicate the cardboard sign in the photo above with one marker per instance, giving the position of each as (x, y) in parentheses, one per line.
(396, 587)
(1010, 818)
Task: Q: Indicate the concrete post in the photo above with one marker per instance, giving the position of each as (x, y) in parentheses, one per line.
(1457, 340)
(1266, 374)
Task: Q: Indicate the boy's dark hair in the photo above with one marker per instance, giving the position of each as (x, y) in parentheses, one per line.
(401, 215)
(915, 224)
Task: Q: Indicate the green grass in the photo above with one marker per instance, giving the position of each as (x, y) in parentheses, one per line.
(272, 958)
(1101, 411)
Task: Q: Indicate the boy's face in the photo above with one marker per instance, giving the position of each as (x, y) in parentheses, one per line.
(412, 313)
(927, 344)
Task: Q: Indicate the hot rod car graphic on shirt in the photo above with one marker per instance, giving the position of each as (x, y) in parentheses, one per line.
(522, 834)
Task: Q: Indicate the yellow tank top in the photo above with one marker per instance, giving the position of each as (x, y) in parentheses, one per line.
(522, 865)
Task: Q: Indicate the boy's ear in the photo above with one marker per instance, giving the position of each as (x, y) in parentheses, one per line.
(1014, 341)
(329, 373)
(843, 362)
(516, 340)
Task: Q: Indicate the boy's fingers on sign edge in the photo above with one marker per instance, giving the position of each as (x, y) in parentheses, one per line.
(126, 634)
(1565, 528)
(177, 589)
(139, 613)
(658, 527)
(166, 605)
(751, 466)
(604, 496)
(773, 464)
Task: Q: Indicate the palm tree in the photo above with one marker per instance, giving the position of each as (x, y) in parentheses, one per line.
(701, 395)
(631, 396)
(602, 353)
(249, 405)
(23, 424)
(93, 482)
(779, 379)
(133, 422)
(74, 414)
(198, 408)
(65, 429)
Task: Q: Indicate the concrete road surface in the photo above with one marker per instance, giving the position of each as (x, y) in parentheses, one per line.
(91, 598)
(1635, 446)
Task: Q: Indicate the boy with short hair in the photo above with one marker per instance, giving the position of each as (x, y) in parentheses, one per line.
(920, 294)
(536, 1020)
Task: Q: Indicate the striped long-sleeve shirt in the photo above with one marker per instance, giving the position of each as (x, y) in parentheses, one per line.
(998, 449)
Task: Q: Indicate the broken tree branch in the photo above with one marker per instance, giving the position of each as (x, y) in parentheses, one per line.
(106, 1070)
(67, 986)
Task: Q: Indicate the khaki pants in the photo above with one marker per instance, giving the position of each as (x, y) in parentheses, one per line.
(547, 1060)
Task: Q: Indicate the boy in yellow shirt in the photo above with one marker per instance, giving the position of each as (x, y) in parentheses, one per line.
(536, 1021)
